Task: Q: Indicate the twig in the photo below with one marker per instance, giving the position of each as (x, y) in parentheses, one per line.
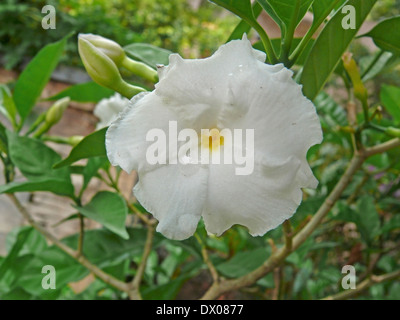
(364, 285)
(134, 293)
(206, 258)
(107, 278)
(287, 229)
(81, 233)
(279, 256)
(146, 220)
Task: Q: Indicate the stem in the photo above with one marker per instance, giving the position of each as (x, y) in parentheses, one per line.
(304, 42)
(135, 284)
(206, 258)
(364, 285)
(289, 34)
(107, 278)
(81, 233)
(271, 56)
(140, 69)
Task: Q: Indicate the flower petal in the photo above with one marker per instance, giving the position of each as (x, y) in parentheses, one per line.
(285, 122)
(260, 201)
(175, 195)
(126, 137)
(196, 87)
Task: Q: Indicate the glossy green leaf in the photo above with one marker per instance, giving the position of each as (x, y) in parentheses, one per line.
(34, 244)
(243, 27)
(13, 254)
(386, 35)
(329, 48)
(147, 53)
(390, 97)
(243, 263)
(290, 11)
(84, 92)
(166, 291)
(368, 222)
(268, 9)
(37, 73)
(101, 247)
(35, 159)
(109, 209)
(321, 8)
(92, 145)
(7, 105)
(60, 187)
(90, 170)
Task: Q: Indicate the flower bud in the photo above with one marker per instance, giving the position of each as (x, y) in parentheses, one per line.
(394, 132)
(110, 48)
(103, 70)
(351, 67)
(54, 114)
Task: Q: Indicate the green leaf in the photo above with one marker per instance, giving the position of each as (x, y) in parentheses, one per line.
(367, 221)
(105, 248)
(90, 170)
(390, 97)
(13, 254)
(303, 275)
(243, 263)
(102, 247)
(37, 73)
(7, 105)
(243, 27)
(56, 186)
(109, 209)
(271, 12)
(320, 8)
(371, 66)
(92, 145)
(149, 54)
(329, 48)
(166, 291)
(84, 92)
(386, 35)
(287, 12)
(35, 159)
(34, 244)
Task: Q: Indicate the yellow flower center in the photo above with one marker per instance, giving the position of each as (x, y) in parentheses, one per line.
(212, 139)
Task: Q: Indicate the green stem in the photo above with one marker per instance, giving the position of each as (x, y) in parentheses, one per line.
(271, 56)
(372, 64)
(304, 42)
(289, 34)
(127, 90)
(140, 69)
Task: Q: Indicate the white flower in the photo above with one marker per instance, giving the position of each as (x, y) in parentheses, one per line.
(107, 110)
(233, 89)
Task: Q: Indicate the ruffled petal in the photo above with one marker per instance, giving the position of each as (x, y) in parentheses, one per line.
(175, 195)
(267, 99)
(107, 110)
(197, 87)
(126, 143)
(260, 201)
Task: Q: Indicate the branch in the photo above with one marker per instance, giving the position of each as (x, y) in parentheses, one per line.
(279, 256)
(107, 278)
(364, 285)
(206, 258)
(134, 293)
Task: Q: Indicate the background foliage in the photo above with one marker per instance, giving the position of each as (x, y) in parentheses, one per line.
(362, 228)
